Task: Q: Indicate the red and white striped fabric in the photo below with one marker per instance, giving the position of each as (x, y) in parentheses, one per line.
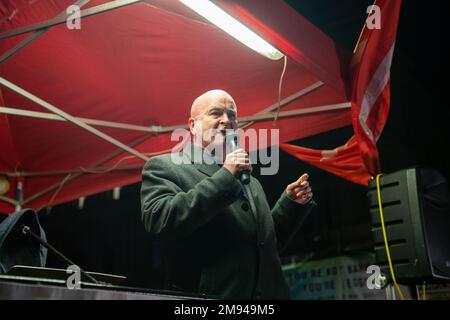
(358, 160)
(371, 66)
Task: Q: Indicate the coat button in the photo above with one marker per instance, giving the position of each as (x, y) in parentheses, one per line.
(261, 244)
(245, 206)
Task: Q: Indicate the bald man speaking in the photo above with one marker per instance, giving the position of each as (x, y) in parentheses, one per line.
(218, 236)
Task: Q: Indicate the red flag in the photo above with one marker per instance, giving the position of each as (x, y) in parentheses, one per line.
(358, 160)
(371, 66)
(344, 161)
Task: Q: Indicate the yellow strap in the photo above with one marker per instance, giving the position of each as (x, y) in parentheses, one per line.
(424, 296)
(388, 254)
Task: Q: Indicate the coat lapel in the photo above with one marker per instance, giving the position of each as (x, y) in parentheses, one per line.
(251, 192)
(208, 169)
(201, 161)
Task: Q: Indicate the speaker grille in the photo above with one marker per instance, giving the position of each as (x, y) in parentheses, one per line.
(419, 246)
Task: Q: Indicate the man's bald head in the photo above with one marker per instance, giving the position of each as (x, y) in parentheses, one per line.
(207, 99)
(212, 114)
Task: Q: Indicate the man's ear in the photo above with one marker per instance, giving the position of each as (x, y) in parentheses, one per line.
(191, 123)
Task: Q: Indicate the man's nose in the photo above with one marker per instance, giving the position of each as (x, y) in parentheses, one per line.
(224, 119)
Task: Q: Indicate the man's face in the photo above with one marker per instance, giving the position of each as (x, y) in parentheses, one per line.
(209, 127)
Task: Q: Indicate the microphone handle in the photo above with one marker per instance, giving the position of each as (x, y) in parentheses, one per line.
(245, 177)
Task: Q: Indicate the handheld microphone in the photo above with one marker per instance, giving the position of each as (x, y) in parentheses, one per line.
(233, 144)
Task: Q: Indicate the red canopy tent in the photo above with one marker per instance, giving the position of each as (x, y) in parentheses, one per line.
(81, 110)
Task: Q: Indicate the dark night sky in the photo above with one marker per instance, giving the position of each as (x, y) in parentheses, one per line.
(107, 235)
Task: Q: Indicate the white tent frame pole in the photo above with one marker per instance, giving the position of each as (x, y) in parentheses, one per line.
(9, 200)
(8, 54)
(283, 102)
(299, 112)
(159, 129)
(76, 175)
(51, 116)
(152, 128)
(63, 172)
(68, 117)
(63, 18)
(31, 38)
(292, 97)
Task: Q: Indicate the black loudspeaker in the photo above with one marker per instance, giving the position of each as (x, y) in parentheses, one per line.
(416, 210)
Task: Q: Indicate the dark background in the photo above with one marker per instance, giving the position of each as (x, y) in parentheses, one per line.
(107, 235)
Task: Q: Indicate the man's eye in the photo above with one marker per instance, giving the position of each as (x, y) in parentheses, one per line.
(232, 115)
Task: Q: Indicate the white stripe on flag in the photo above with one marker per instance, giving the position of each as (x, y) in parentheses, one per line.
(375, 88)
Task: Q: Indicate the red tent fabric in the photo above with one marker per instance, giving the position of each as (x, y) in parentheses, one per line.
(144, 64)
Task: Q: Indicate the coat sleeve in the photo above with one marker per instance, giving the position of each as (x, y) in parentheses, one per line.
(288, 216)
(170, 212)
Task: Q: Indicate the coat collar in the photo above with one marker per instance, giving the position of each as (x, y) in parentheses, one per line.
(201, 159)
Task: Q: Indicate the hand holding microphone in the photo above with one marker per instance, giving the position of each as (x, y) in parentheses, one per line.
(237, 161)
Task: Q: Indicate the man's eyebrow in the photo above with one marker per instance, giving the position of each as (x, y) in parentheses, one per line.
(214, 107)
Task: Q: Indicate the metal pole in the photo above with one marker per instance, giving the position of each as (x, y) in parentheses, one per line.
(31, 38)
(62, 19)
(68, 117)
(27, 230)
